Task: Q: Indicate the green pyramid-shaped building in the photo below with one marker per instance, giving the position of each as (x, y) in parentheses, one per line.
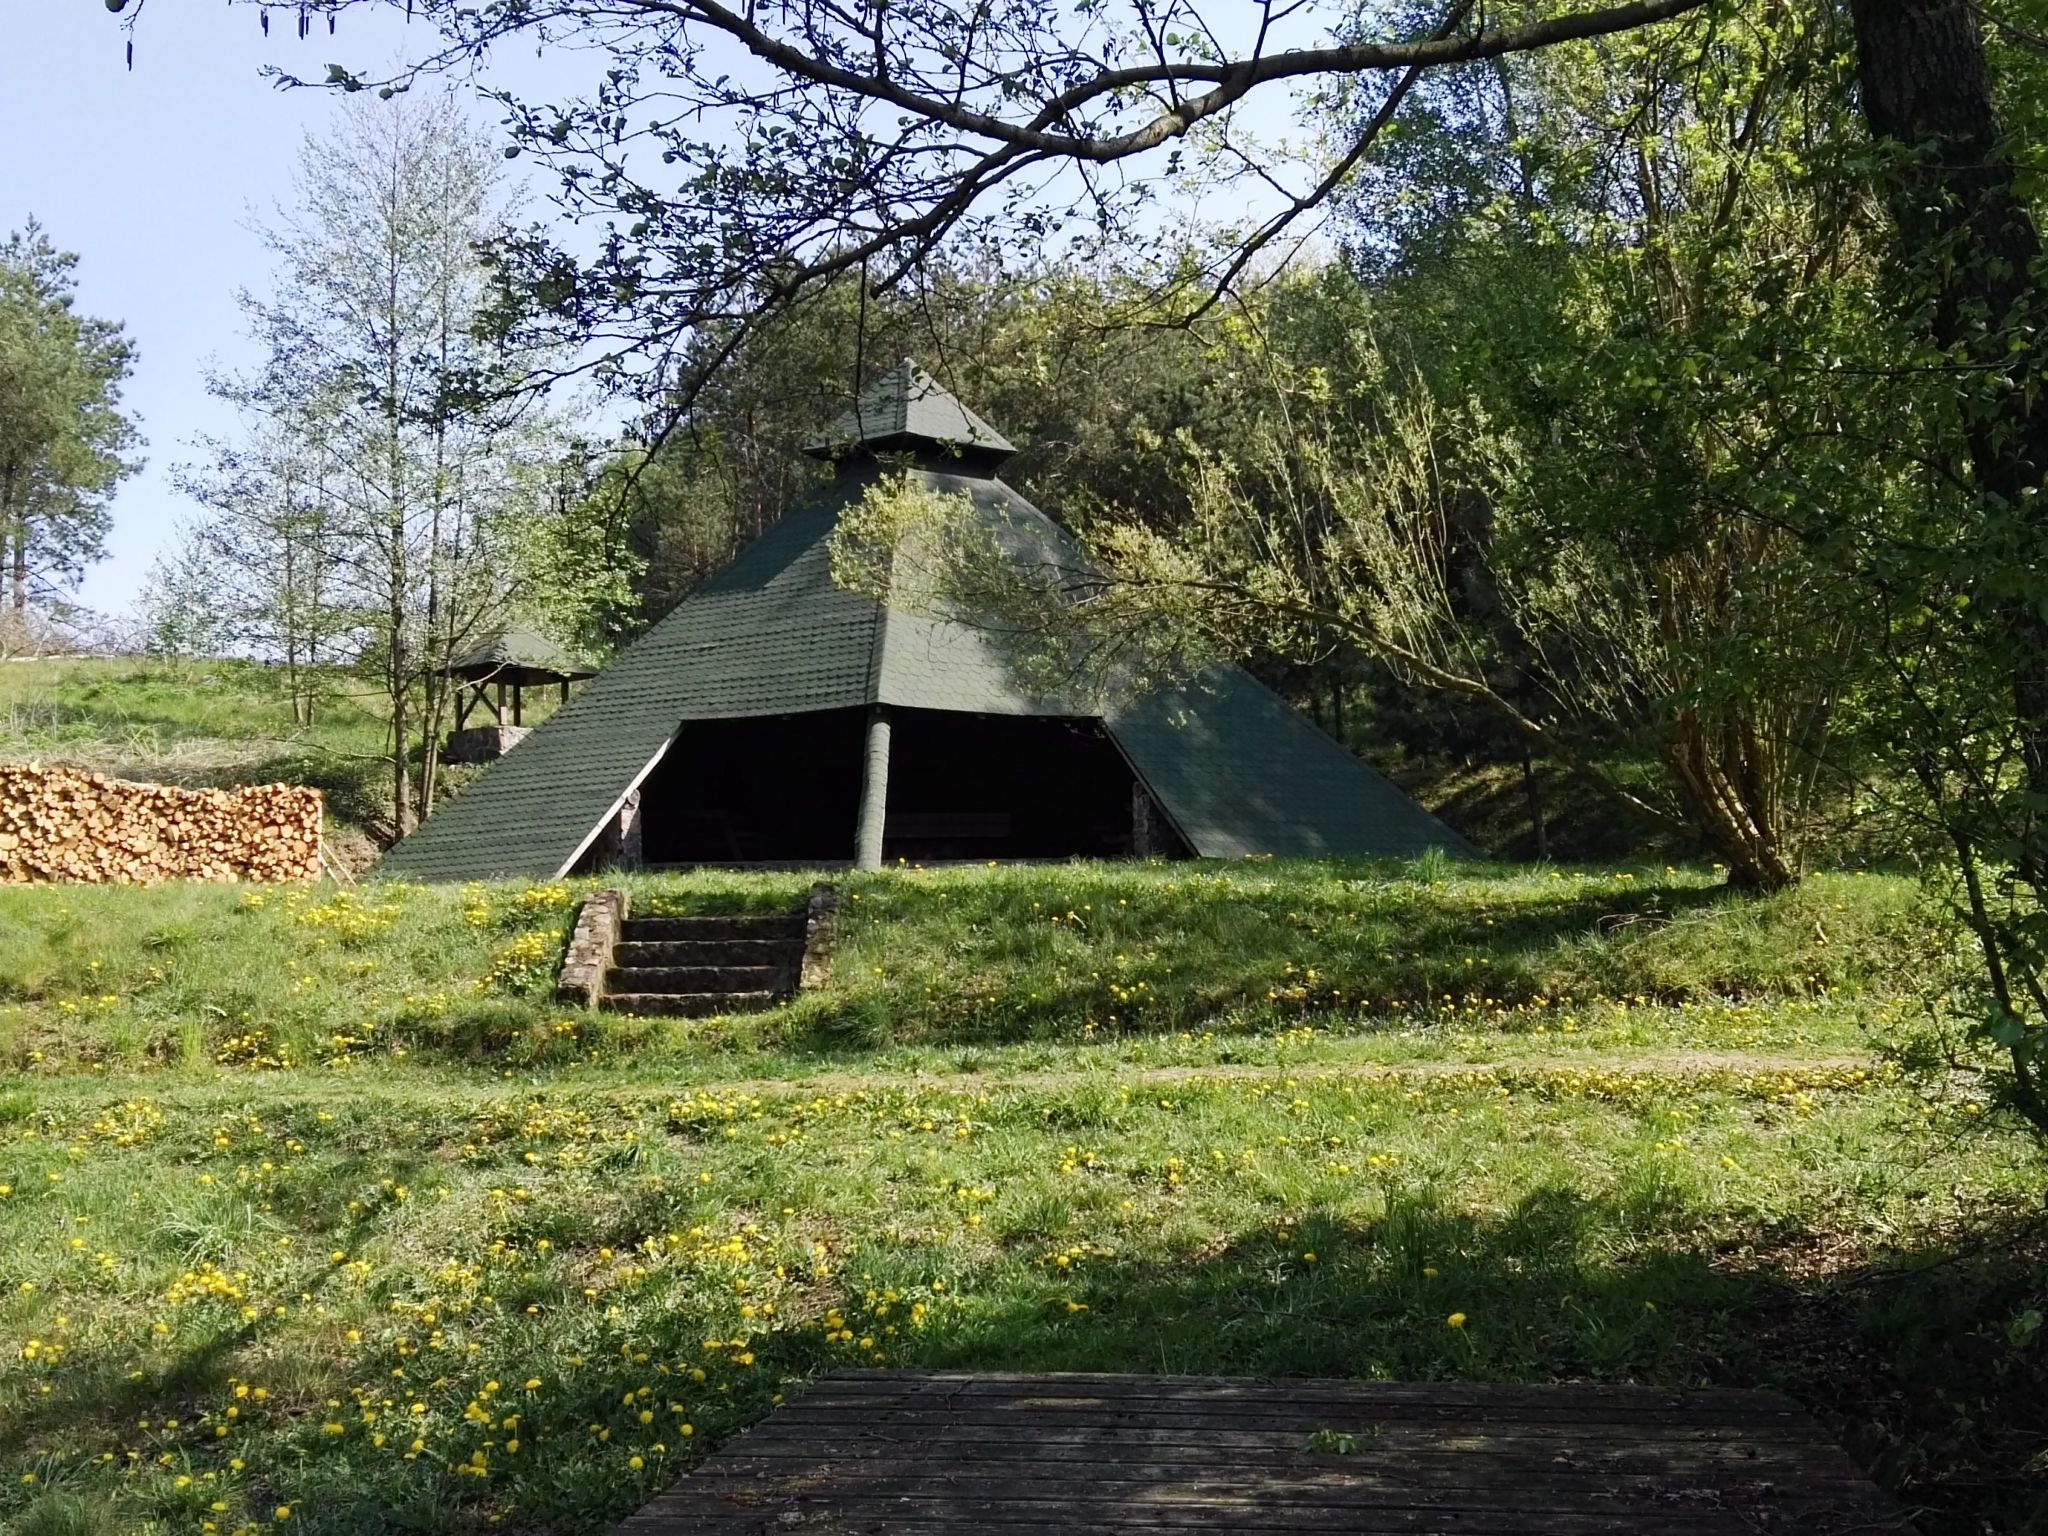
(776, 718)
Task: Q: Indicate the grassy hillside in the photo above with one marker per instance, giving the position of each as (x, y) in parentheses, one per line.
(196, 723)
(217, 723)
(191, 976)
(317, 1215)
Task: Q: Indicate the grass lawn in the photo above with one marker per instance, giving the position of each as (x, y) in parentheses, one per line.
(318, 1216)
(210, 723)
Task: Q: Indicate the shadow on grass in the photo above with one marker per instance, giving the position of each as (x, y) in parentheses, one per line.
(1921, 1361)
(999, 977)
(98, 1386)
(1913, 1358)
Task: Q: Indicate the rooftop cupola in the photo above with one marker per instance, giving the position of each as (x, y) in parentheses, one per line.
(907, 412)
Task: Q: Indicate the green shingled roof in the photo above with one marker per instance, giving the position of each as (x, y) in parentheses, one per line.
(1234, 768)
(1242, 772)
(906, 407)
(518, 656)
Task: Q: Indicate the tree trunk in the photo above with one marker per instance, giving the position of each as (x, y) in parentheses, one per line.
(1532, 789)
(1926, 87)
(6, 501)
(1963, 226)
(397, 572)
(1739, 828)
(17, 527)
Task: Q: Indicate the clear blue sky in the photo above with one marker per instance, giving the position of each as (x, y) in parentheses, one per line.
(153, 177)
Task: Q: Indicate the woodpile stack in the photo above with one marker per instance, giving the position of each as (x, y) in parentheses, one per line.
(69, 825)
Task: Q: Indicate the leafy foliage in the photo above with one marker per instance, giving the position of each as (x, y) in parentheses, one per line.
(64, 443)
(389, 504)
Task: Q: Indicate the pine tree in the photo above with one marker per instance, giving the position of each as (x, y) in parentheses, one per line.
(64, 441)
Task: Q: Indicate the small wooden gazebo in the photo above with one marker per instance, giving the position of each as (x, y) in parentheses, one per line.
(516, 659)
(509, 662)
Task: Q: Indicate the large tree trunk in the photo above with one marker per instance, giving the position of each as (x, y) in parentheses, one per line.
(1964, 228)
(1725, 784)
(1926, 87)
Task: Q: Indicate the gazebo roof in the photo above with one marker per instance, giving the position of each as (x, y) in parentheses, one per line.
(907, 409)
(1233, 767)
(518, 656)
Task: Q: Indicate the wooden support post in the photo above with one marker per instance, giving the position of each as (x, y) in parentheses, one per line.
(515, 704)
(565, 691)
(874, 793)
(1144, 841)
(498, 708)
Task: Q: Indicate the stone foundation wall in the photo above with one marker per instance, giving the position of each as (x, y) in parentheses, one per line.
(617, 846)
(580, 982)
(64, 824)
(483, 743)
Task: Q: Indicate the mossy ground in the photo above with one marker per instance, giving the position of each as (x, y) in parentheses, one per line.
(319, 1215)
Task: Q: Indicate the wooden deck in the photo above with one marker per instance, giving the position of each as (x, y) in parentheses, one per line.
(930, 1454)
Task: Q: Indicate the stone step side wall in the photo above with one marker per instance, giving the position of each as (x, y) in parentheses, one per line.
(65, 824)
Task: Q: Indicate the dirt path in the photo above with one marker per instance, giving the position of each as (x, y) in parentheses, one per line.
(1658, 1063)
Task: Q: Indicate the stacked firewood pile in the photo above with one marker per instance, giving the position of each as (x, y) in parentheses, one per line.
(66, 824)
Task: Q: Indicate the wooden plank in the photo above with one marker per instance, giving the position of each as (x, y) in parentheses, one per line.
(948, 1454)
(1020, 1418)
(1025, 1510)
(1301, 1487)
(1014, 1384)
(1405, 1469)
(1565, 1402)
(1283, 1409)
(901, 1523)
(1645, 1458)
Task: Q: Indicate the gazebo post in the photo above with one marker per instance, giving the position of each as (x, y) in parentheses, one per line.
(498, 709)
(874, 793)
(515, 702)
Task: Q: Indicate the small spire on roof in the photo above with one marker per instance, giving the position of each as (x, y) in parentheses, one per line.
(906, 409)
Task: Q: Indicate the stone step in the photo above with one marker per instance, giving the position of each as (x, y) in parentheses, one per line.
(637, 954)
(786, 927)
(688, 1004)
(697, 978)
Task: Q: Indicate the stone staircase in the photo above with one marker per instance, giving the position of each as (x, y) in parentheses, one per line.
(703, 965)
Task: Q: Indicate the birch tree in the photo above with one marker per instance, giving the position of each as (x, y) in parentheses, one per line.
(381, 493)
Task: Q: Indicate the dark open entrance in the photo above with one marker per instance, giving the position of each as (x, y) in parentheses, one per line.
(786, 789)
(1004, 787)
(776, 789)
